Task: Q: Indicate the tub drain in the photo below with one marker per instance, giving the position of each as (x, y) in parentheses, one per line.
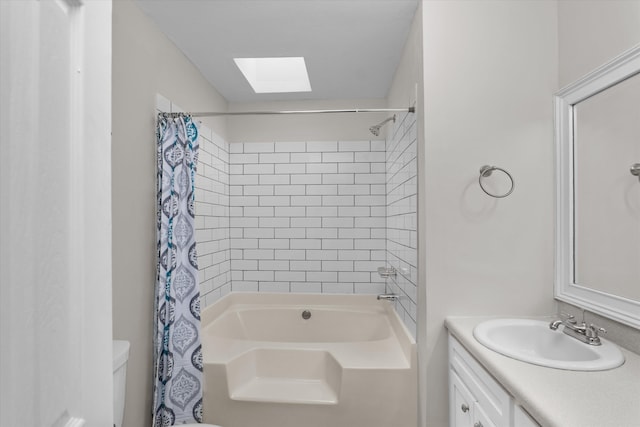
(306, 314)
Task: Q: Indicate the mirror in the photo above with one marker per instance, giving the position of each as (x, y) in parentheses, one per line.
(606, 197)
(598, 194)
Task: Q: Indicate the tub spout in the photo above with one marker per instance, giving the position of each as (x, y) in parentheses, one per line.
(388, 297)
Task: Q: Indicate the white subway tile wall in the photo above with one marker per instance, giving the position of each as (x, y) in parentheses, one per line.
(401, 219)
(307, 216)
(212, 217)
(212, 211)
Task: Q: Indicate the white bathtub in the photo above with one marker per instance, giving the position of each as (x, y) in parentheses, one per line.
(352, 363)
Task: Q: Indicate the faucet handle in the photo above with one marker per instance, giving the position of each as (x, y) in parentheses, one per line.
(568, 317)
(593, 330)
(591, 334)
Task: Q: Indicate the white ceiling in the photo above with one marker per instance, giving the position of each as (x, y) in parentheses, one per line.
(351, 47)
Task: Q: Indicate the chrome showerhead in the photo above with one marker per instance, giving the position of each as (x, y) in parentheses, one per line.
(376, 128)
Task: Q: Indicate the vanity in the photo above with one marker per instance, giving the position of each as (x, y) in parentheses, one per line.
(488, 389)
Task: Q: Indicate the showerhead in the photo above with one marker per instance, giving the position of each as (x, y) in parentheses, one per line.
(376, 128)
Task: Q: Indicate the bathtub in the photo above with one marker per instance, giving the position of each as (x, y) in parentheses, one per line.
(285, 360)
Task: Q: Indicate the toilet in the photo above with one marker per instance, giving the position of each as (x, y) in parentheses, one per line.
(120, 357)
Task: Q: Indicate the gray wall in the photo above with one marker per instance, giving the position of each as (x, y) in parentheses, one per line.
(304, 127)
(590, 33)
(490, 69)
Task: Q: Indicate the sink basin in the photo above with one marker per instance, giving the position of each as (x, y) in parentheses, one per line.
(532, 341)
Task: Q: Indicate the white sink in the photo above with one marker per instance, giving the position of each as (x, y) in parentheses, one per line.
(532, 341)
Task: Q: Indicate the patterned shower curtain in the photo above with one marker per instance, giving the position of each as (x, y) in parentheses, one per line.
(177, 356)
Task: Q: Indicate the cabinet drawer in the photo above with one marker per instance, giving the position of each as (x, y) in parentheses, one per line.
(491, 397)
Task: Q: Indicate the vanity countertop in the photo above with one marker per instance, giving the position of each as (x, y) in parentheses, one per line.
(558, 398)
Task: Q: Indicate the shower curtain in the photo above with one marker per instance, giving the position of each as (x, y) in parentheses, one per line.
(177, 350)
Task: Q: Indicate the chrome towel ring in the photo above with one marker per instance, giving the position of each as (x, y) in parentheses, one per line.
(635, 170)
(486, 171)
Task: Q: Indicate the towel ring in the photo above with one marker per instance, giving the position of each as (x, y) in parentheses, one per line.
(635, 170)
(486, 171)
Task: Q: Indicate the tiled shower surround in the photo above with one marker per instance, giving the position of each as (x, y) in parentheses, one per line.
(312, 216)
(307, 216)
(402, 219)
(212, 216)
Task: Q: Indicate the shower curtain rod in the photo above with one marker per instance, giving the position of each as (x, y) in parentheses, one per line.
(263, 113)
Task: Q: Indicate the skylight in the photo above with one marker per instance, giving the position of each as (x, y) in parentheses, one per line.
(275, 75)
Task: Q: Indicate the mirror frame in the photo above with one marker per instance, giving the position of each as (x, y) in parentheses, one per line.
(615, 307)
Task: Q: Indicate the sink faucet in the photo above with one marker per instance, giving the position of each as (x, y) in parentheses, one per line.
(388, 297)
(565, 320)
(582, 332)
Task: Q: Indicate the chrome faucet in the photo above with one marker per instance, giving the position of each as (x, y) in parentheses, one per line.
(582, 332)
(555, 324)
(388, 297)
(566, 319)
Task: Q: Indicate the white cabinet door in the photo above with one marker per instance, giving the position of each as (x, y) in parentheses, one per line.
(461, 404)
(55, 236)
(465, 411)
(475, 398)
(480, 418)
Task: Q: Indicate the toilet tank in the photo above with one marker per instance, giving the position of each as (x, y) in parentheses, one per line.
(120, 357)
